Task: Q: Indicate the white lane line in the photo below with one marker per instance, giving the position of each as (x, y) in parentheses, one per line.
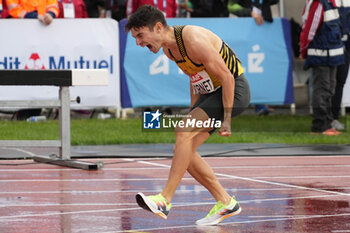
(175, 204)
(223, 177)
(20, 150)
(300, 177)
(31, 205)
(148, 163)
(107, 163)
(218, 227)
(262, 181)
(281, 184)
(239, 167)
(283, 157)
(198, 189)
(6, 218)
(291, 218)
(161, 168)
(86, 180)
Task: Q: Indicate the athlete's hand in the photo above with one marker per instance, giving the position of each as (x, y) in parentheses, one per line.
(225, 129)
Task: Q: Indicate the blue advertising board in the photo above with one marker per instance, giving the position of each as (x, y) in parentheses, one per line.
(265, 52)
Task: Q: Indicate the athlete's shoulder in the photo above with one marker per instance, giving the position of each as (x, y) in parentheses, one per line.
(199, 35)
(195, 33)
(193, 29)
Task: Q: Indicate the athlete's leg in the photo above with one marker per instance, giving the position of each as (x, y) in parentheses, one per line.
(184, 151)
(203, 173)
(226, 206)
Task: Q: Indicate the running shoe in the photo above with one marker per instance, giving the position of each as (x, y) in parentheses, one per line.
(328, 132)
(157, 204)
(219, 212)
(337, 125)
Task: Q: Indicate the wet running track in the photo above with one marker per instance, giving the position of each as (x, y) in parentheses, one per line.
(277, 194)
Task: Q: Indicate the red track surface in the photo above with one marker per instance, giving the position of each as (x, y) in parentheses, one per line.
(277, 194)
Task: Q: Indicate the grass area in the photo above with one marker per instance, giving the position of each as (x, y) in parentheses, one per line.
(245, 128)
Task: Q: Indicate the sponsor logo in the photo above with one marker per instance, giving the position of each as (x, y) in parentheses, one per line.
(195, 78)
(34, 63)
(37, 61)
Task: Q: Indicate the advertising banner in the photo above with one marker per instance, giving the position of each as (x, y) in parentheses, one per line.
(64, 44)
(265, 53)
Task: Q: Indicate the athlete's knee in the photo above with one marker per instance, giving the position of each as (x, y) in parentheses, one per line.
(184, 136)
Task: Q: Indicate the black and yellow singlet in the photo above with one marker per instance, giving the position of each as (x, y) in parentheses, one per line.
(191, 68)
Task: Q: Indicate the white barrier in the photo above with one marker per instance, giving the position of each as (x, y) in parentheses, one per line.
(65, 44)
(63, 79)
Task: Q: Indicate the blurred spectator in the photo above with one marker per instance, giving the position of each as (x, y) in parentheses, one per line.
(295, 30)
(116, 9)
(44, 10)
(209, 8)
(4, 13)
(341, 76)
(322, 47)
(244, 8)
(72, 9)
(184, 8)
(342, 70)
(261, 12)
(240, 8)
(168, 7)
(96, 8)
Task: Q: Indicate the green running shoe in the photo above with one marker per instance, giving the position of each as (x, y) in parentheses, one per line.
(219, 212)
(156, 204)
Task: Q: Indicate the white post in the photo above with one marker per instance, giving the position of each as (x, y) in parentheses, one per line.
(281, 7)
(64, 118)
(342, 110)
(292, 109)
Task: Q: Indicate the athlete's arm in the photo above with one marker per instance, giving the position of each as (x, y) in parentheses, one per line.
(203, 48)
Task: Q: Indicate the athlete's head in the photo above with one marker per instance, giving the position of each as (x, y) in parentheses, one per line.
(145, 16)
(147, 25)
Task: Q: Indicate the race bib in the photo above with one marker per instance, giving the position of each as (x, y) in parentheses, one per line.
(201, 83)
(68, 10)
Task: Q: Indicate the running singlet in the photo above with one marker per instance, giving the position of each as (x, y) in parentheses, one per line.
(203, 82)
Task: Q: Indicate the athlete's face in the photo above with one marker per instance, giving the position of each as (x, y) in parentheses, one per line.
(145, 37)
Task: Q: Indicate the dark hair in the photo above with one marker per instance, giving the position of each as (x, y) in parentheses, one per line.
(145, 16)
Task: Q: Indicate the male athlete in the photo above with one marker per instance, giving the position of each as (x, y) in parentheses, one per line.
(219, 90)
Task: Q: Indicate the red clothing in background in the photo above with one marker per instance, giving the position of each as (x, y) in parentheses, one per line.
(79, 8)
(312, 20)
(170, 6)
